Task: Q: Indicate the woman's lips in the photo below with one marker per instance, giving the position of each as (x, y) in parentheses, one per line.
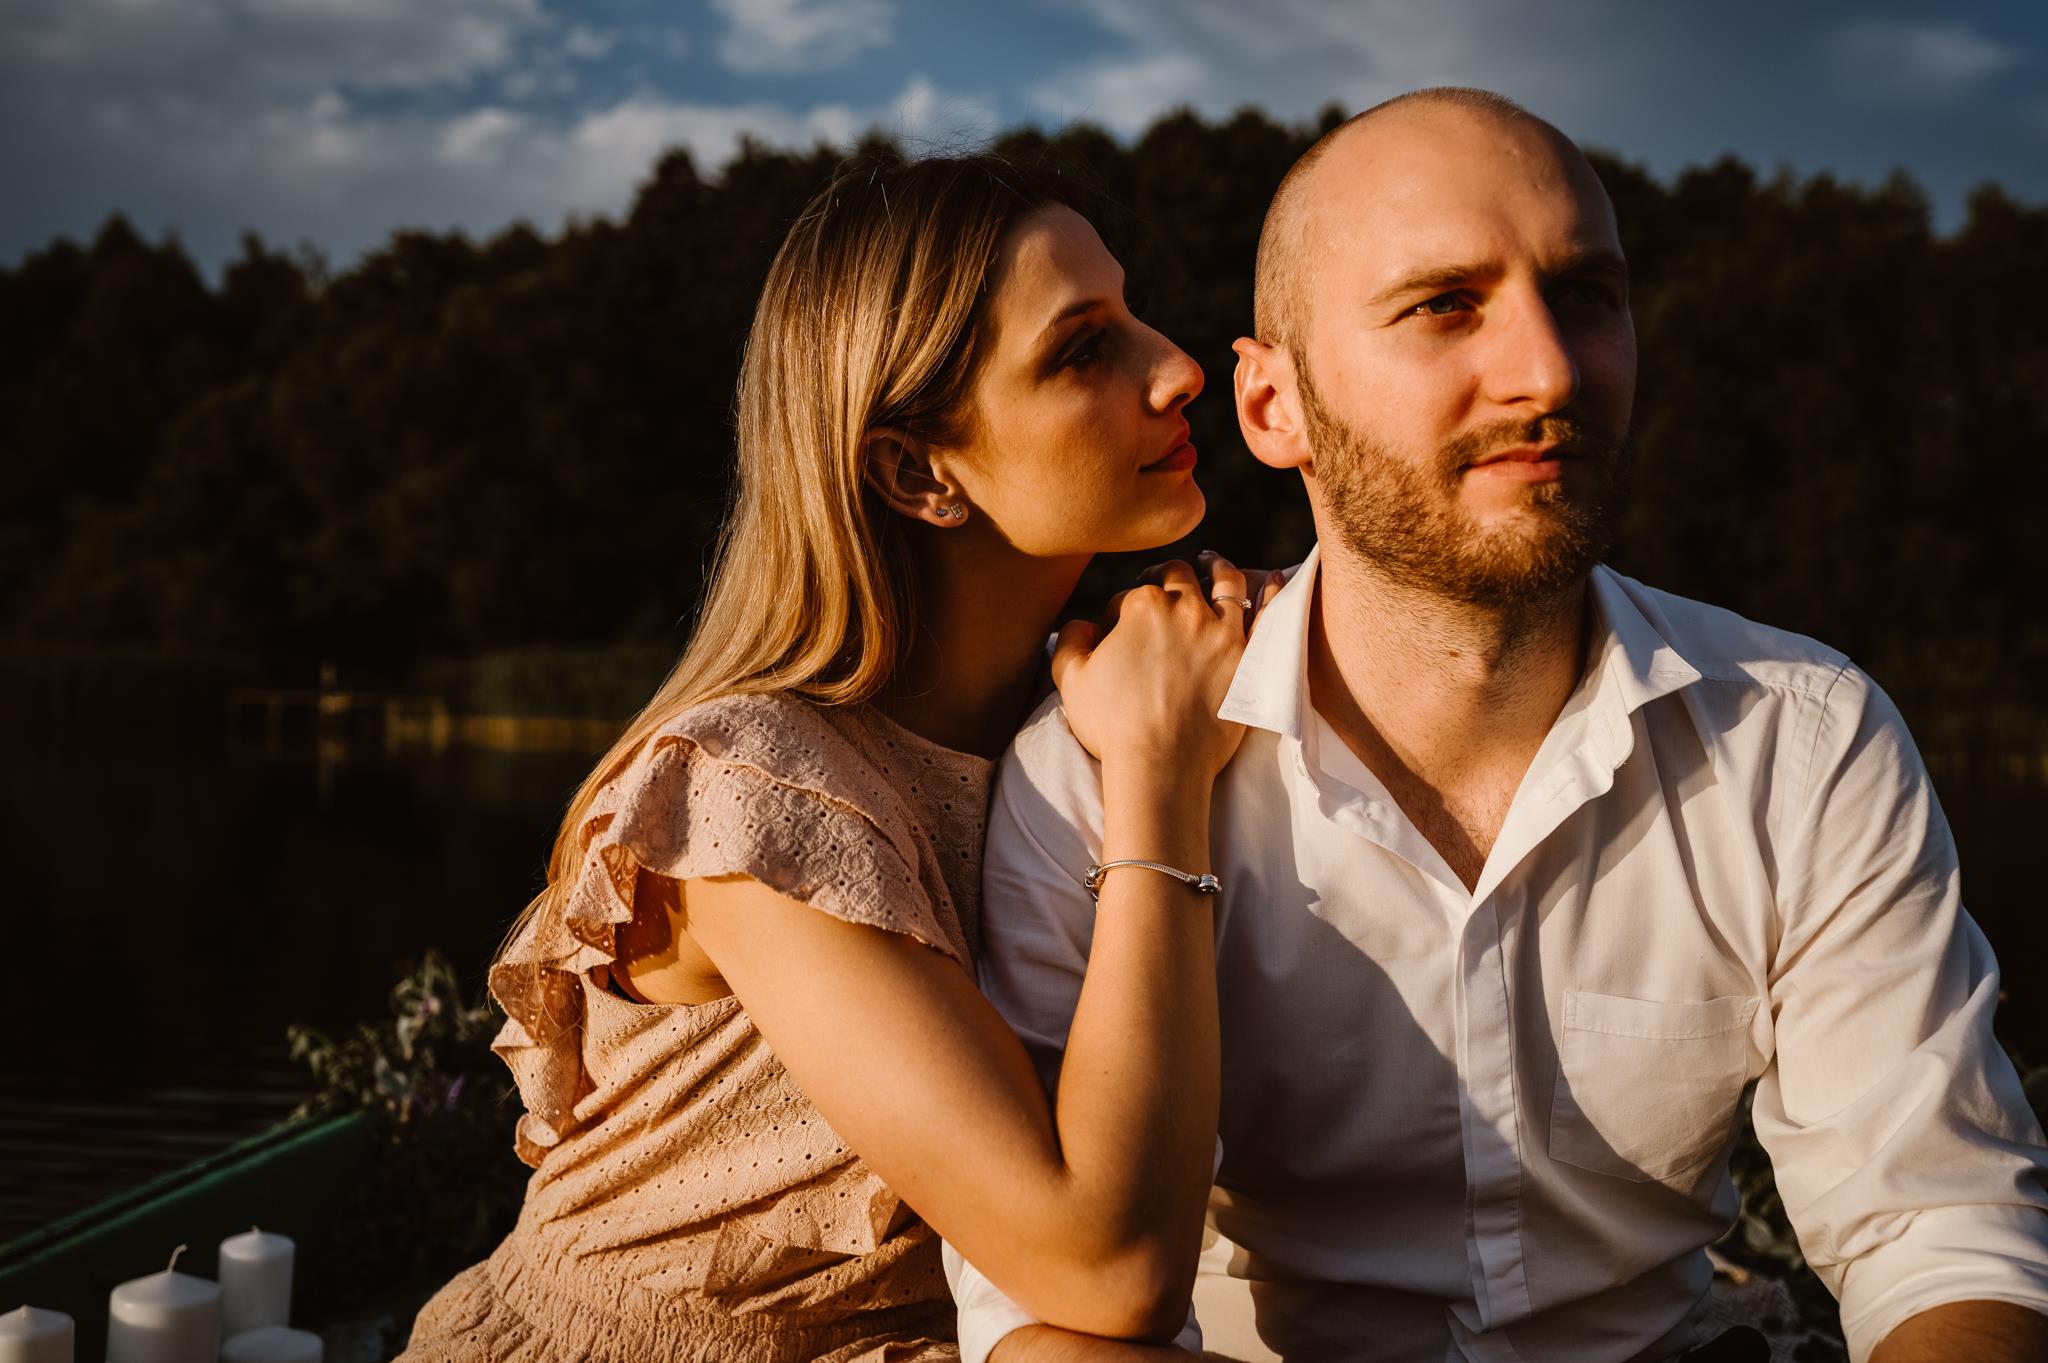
(1178, 459)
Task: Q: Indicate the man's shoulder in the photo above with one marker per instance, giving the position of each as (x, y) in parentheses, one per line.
(1045, 745)
(1045, 774)
(1734, 650)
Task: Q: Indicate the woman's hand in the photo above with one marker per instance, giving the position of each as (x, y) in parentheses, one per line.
(1147, 690)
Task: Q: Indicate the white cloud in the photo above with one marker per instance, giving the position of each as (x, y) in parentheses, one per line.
(1124, 96)
(1890, 57)
(800, 35)
(246, 48)
(1292, 57)
(593, 163)
(479, 138)
(348, 175)
(589, 44)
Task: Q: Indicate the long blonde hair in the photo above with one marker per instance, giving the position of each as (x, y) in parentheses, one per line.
(869, 317)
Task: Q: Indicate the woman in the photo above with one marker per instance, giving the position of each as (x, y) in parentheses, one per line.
(742, 1015)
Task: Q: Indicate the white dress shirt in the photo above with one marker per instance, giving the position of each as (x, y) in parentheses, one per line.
(1494, 1124)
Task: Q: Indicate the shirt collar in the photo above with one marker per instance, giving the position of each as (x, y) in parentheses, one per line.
(1632, 649)
(1270, 689)
(1632, 657)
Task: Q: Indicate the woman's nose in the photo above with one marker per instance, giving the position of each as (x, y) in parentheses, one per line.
(1176, 378)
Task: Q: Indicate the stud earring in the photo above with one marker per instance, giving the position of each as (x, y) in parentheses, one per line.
(958, 513)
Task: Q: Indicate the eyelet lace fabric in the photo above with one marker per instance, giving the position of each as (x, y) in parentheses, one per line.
(688, 1202)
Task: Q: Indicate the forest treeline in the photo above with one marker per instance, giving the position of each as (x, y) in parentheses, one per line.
(453, 448)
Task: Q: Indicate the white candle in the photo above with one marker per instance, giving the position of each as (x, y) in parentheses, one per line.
(272, 1344)
(31, 1335)
(168, 1317)
(255, 1282)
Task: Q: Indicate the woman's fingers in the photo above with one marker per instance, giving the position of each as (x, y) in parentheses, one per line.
(1227, 590)
(1276, 578)
(1175, 575)
(1077, 639)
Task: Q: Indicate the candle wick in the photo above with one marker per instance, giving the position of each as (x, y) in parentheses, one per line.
(172, 1266)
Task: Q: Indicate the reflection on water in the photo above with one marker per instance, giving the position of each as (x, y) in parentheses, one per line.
(175, 906)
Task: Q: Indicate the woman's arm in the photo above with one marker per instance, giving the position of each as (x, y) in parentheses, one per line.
(1044, 1344)
(1090, 1220)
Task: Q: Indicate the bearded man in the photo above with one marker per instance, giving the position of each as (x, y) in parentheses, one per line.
(1529, 869)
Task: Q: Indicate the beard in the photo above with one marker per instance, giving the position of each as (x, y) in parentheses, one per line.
(1407, 521)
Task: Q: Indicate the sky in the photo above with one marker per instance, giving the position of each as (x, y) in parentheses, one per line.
(333, 122)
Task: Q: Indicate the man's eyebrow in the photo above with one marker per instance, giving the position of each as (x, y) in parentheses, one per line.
(1432, 279)
(1593, 261)
(1437, 278)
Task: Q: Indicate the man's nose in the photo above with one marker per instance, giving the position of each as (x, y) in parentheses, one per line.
(1530, 365)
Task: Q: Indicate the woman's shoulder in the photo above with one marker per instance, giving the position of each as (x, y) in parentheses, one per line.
(774, 735)
(774, 788)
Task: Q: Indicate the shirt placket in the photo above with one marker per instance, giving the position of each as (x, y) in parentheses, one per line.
(1488, 1092)
(1488, 1108)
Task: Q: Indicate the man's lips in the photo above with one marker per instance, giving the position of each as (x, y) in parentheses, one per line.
(1525, 454)
(1542, 463)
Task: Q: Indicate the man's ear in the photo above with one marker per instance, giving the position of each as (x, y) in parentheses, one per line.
(896, 465)
(1269, 404)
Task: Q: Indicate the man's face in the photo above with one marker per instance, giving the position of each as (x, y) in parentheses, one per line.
(1468, 366)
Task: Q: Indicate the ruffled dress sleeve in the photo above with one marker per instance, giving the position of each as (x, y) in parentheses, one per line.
(760, 786)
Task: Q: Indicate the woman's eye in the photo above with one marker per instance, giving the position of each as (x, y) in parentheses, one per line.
(1087, 352)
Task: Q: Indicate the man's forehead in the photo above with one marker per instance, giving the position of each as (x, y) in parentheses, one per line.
(1414, 188)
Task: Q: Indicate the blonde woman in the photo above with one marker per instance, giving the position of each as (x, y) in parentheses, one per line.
(760, 1081)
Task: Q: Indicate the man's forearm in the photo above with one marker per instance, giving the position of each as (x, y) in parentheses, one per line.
(1981, 1331)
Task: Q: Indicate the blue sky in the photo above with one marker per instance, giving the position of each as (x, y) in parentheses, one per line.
(334, 121)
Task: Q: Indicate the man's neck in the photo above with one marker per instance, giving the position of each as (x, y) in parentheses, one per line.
(1445, 701)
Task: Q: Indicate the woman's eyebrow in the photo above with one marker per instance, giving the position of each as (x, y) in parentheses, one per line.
(1079, 306)
(1073, 309)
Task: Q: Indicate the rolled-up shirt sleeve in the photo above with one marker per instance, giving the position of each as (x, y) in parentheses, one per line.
(1905, 1151)
(1044, 828)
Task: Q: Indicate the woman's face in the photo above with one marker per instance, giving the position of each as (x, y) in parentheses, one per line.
(1080, 445)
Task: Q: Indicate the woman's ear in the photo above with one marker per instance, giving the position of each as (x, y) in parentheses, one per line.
(896, 465)
(1269, 404)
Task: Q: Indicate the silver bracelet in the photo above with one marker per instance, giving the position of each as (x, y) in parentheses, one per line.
(1202, 884)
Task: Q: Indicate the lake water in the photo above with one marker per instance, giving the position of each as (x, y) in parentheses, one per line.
(177, 906)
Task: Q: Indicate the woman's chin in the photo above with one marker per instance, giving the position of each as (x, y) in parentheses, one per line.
(1179, 519)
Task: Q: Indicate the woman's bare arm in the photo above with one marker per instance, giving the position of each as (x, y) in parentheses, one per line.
(1044, 1344)
(1091, 1218)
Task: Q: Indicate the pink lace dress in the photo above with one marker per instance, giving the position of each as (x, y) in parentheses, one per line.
(688, 1202)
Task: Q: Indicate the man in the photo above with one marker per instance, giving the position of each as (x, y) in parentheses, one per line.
(1527, 868)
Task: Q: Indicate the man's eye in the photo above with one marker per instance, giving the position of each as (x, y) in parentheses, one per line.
(1590, 295)
(1443, 305)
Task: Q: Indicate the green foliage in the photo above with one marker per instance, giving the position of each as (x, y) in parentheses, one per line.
(457, 448)
(446, 1186)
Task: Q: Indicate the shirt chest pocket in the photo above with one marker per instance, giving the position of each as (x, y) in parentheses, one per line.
(1646, 1090)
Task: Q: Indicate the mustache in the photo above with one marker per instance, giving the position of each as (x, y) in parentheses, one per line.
(1574, 436)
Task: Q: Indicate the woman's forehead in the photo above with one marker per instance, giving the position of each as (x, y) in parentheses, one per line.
(1051, 260)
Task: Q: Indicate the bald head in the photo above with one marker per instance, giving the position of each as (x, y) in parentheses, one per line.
(1289, 243)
